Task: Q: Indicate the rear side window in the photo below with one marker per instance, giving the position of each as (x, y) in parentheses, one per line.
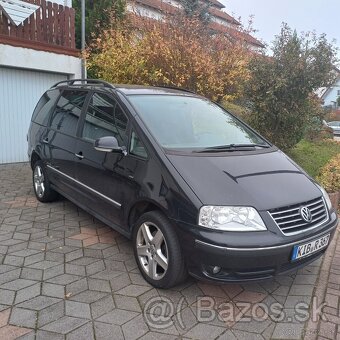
(67, 112)
(43, 109)
(105, 117)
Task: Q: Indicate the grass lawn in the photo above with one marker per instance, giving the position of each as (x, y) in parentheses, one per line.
(312, 156)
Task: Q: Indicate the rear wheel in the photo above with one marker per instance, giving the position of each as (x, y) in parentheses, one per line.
(157, 251)
(41, 184)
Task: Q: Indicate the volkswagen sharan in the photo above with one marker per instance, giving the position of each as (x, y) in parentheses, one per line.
(196, 190)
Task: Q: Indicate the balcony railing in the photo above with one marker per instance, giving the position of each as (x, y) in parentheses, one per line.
(50, 28)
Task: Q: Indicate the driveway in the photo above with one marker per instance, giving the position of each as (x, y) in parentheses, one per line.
(65, 275)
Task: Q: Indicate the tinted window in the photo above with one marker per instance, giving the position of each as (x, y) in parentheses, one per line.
(67, 111)
(136, 146)
(104, 117)
(43, 109)
(183, 122)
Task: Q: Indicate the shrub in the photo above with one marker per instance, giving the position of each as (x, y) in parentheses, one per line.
(178, 52)
(329, 176)
(280, 87)
(237, 110)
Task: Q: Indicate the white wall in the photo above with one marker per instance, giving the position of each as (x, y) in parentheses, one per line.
(221, 21)
(25, 74)
(332, 94)
(27, 58)
(20, 91)
(144, 11)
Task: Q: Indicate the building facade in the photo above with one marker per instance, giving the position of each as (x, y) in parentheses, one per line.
(220, 21)
(37, 49)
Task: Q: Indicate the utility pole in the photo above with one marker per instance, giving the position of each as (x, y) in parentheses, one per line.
(83, 62)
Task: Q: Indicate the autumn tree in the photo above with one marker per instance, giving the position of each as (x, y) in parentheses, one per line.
(281, 86)
(166, 53)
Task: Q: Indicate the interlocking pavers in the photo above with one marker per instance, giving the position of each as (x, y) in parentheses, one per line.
(65, 275)
(28, 293)
(102, 306)
(117, 317)
(23, 318)
(50, 314)
(104, 331)
(64, 325)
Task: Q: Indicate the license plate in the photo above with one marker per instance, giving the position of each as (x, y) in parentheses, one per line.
(303, 250)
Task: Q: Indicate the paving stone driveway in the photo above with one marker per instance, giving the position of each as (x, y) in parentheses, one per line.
(65, 275)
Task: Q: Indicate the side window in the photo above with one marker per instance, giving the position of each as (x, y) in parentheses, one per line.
(136, 146)
(104, 117)
(43, 109)
(67, 112)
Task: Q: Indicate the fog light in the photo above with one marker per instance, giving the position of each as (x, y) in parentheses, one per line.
(216, 270)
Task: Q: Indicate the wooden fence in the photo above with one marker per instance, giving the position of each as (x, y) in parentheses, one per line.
(51, 28)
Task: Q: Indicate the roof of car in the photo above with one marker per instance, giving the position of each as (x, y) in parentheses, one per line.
(127, 89)
(140, 89)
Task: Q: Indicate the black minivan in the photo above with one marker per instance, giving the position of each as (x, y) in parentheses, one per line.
(196, 189)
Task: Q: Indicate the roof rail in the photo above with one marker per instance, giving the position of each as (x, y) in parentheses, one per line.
(176, 88)
(84, 82)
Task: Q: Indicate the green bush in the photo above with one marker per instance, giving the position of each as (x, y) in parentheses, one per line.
(280, 87)
(312, 156)
(237, 110)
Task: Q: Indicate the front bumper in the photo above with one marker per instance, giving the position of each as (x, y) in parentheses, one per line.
(245, 256)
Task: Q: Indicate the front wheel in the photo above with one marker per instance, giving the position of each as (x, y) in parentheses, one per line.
(41, 184)
(157, 251)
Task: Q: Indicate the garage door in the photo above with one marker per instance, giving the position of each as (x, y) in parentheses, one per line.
(20, 91)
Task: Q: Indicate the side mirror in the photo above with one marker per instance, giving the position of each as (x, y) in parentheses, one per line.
(109, 144)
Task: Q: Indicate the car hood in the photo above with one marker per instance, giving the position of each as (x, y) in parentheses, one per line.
(262, 180)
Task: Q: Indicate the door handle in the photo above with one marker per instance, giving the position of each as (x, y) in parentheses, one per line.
(45, 140)
(79, 155)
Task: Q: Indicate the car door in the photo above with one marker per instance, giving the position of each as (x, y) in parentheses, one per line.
(100, 173)
(61, 139)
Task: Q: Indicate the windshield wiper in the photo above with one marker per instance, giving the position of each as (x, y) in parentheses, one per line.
(234, 147)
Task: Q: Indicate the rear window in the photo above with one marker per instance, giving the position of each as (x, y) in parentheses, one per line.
(67, 112)
(43, 109)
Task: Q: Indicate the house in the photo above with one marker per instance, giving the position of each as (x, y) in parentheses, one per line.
(37, 49)
(220, 20)
(330, 95)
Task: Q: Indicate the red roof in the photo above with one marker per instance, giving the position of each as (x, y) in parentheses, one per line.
(235, 34)
(216, 3)
(223, 15)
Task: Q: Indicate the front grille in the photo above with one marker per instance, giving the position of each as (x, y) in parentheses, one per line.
(290, 220)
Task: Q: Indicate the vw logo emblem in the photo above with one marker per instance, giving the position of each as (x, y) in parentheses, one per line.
(306, 214)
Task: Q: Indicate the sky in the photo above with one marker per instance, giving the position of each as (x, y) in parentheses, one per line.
(302, 15)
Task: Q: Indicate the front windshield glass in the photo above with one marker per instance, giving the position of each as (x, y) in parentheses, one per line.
(183, 122)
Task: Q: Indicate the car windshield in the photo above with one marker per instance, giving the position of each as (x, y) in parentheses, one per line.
(184, 122)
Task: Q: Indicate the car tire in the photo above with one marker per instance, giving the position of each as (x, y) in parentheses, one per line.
(41, 184)
(157, 251)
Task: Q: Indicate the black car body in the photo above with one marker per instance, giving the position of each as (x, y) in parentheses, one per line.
(133, 176)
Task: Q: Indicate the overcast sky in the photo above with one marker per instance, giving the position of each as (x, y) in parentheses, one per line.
(323, 16)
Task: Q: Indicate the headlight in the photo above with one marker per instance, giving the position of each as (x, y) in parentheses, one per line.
(326, 197)
(231, 218)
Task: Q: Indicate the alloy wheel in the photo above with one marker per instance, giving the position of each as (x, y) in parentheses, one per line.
(39, 181)
(152, 250)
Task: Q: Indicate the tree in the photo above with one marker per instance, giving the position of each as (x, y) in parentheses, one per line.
(165, 53)
(281, 86)
(196, 8)
(98, 16)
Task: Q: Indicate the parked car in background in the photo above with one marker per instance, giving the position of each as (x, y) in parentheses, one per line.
(335, 126)
(195, 188)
